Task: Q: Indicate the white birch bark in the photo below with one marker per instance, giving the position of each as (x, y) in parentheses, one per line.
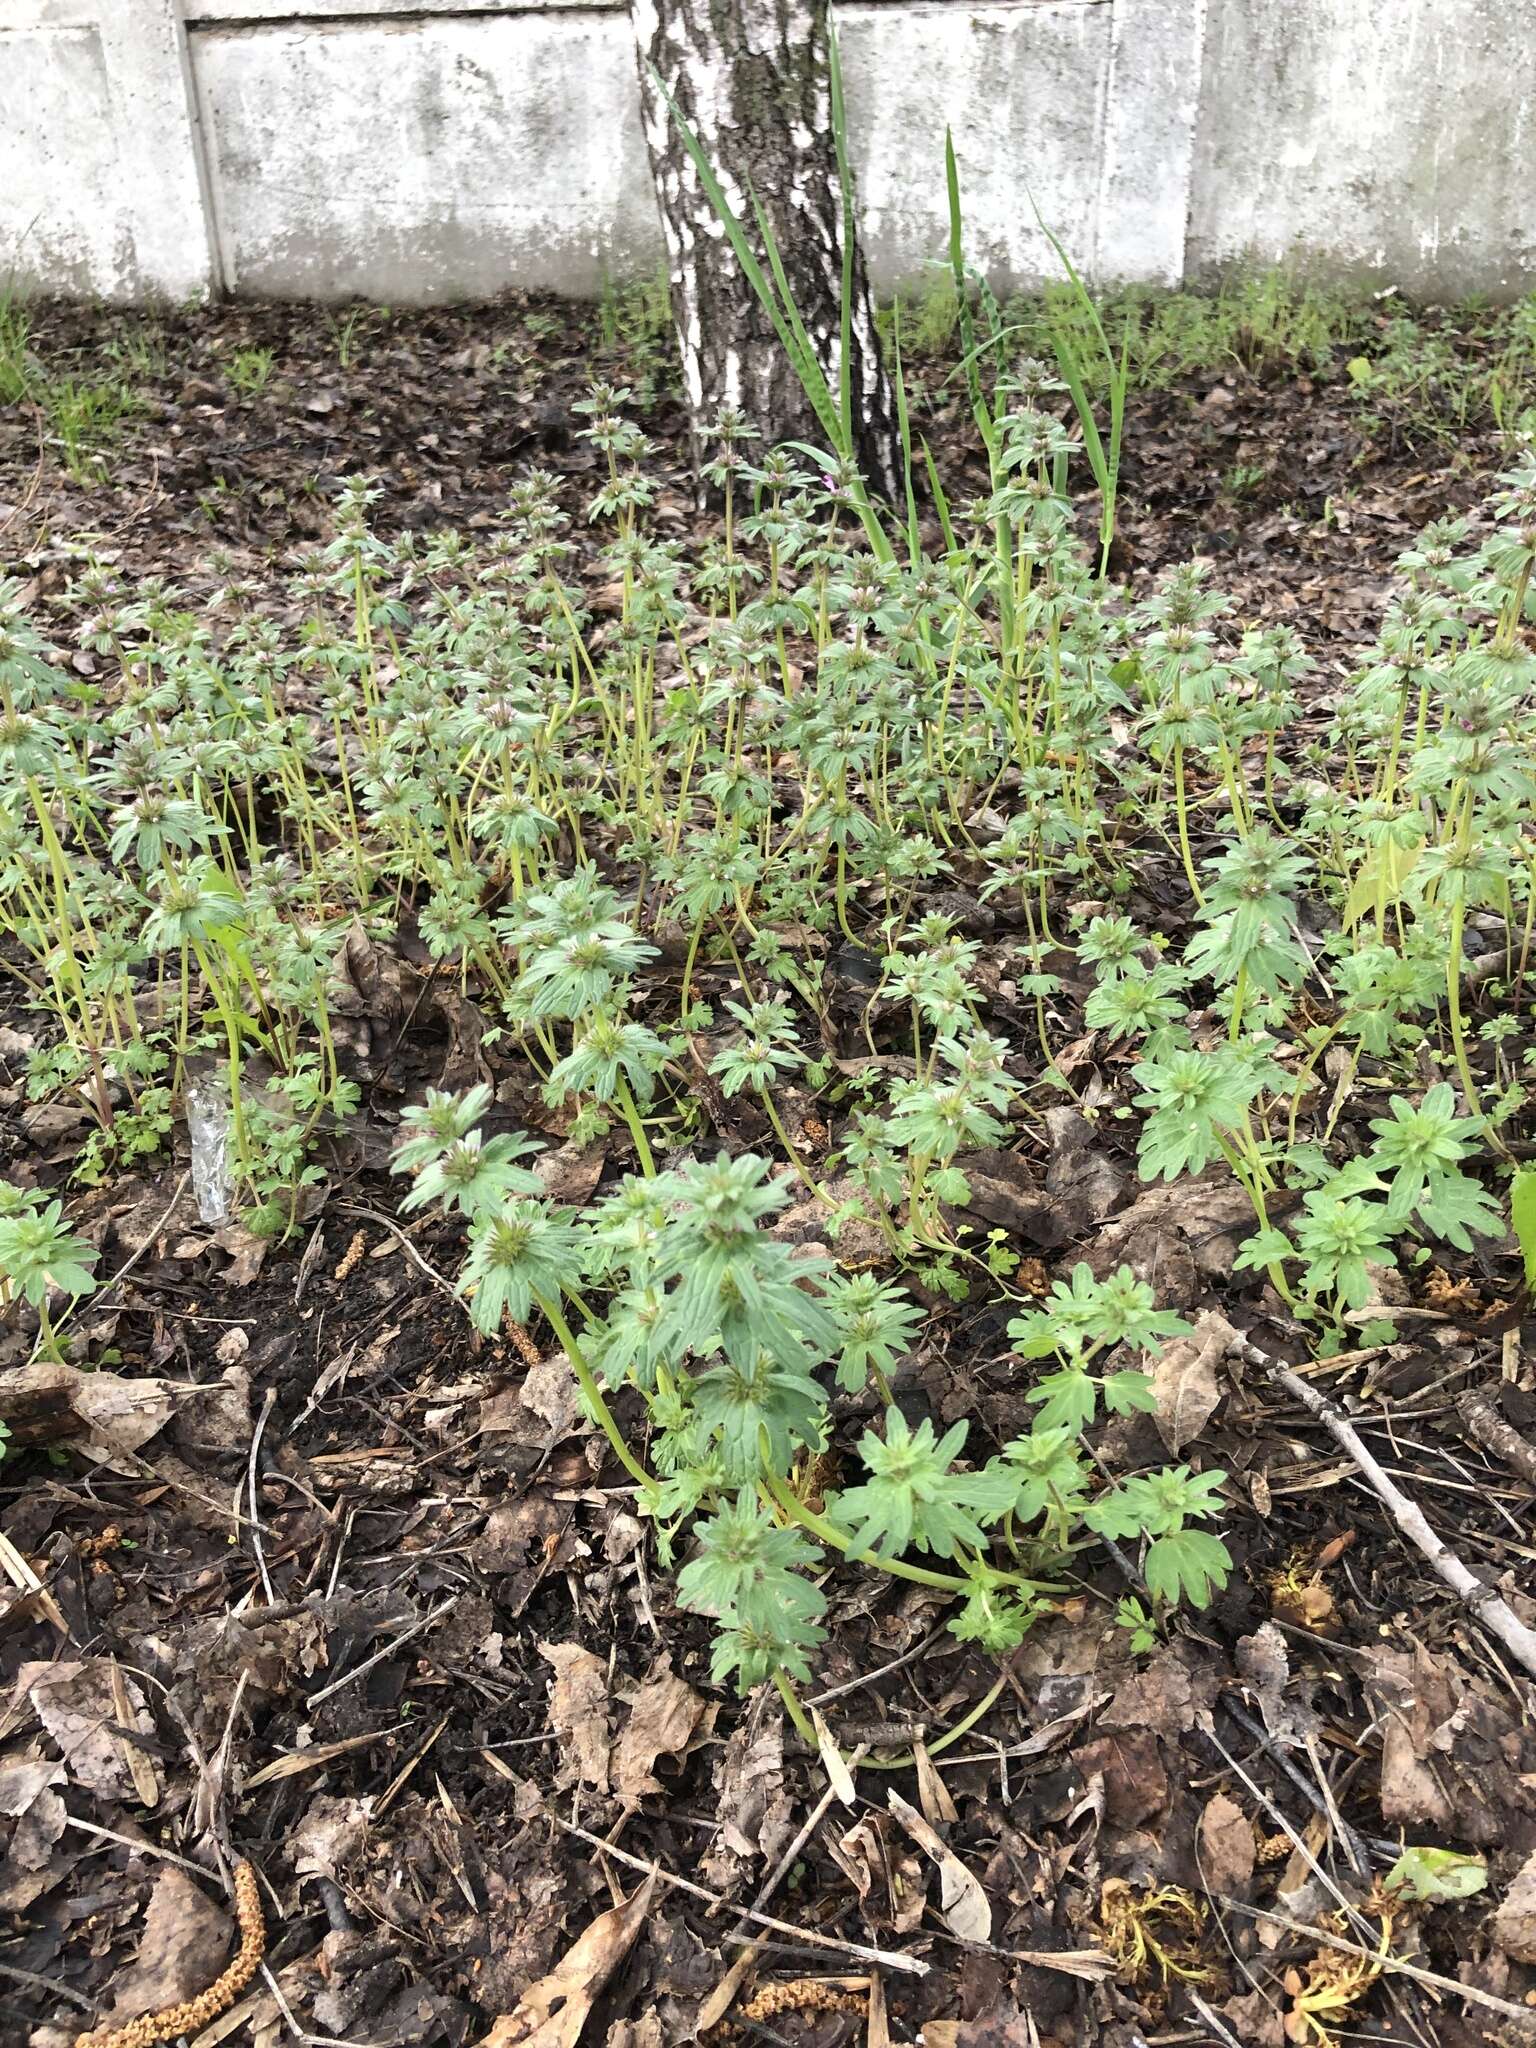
(750, 77)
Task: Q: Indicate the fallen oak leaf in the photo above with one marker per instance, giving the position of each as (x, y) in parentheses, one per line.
(82, 1710)
(662, 1722)
(552, 2013)
(1184, 1383)
(182, 1948)
(1228, 1851)
(578, 1713)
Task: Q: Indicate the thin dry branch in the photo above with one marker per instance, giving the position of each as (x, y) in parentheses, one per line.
(1487, 1606)
(1486, 1426)
(807, 1936)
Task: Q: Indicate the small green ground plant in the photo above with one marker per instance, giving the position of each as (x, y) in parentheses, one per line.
(82, 415)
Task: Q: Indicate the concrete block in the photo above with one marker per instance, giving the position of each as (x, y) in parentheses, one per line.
(1022, 89)
(100, 189)
(1384, 140)
(435, 159)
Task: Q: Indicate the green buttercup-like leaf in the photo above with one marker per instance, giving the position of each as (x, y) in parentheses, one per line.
(1435, 1876)
(911, 1497)
(1193, 1566)
(1066, 1398)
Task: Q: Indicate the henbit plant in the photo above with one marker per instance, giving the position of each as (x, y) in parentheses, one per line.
(41, 1257)
(684, 1299)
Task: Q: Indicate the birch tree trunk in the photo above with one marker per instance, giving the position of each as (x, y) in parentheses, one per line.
(750, 77)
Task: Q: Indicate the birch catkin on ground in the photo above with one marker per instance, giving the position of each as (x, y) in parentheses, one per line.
(194, 2013)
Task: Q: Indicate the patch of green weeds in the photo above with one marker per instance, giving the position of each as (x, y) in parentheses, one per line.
(250, 371)
(634, 332)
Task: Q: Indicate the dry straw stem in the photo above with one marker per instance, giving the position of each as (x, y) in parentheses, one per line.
(884, 1958)
(1394, 1965)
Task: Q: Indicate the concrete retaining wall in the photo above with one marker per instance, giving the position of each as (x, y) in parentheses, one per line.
(417, 150)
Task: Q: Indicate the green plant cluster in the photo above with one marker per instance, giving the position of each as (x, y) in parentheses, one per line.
(768, 753)
(82, 415)
(1432, 375)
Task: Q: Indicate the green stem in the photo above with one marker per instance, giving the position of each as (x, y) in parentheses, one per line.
(631, 1116)
(796, 1712)
(834, 1538)
(951, 1735)
(1181, 801)
(786, 1141)
(594, 1394)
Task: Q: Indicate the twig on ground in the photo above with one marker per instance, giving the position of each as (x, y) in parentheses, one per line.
(250, 1480)
(47, 1985)
(134, 1257)
(1377, 1844)
(787, 1861)
(91, 1827)
(837, 1692)
(1488, 1607)
(911, 1966)
(387, 1650)
(1217, 2026)
(1487, 1426)
(384, 1222)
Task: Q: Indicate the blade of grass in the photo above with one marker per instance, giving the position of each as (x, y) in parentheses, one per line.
(904, 426)
(1105, 465)
(941, 502)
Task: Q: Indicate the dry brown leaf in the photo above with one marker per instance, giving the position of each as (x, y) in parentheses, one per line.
(1227, 1848)
(141, 1769)
(839, 1777)
(331, 1832)
(932, 1792)
(23, 1779)
(1081, 1172)
(887, 1878)
(552, 2013)
(49, 1402)
(1514, 1925)
(1174, 1691)
(28, 1797)
(75, 1704)
(1129, 1764)
(247, 1251)
(1005, 1193)
(1265, 1662)
(1176, 1238)
(578, 1713)
(662, 1720)
(1411, 1790)
(1185, 1383)
(962, 1901)
(182, 1949)
(756, 1814)
(570, 1172)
